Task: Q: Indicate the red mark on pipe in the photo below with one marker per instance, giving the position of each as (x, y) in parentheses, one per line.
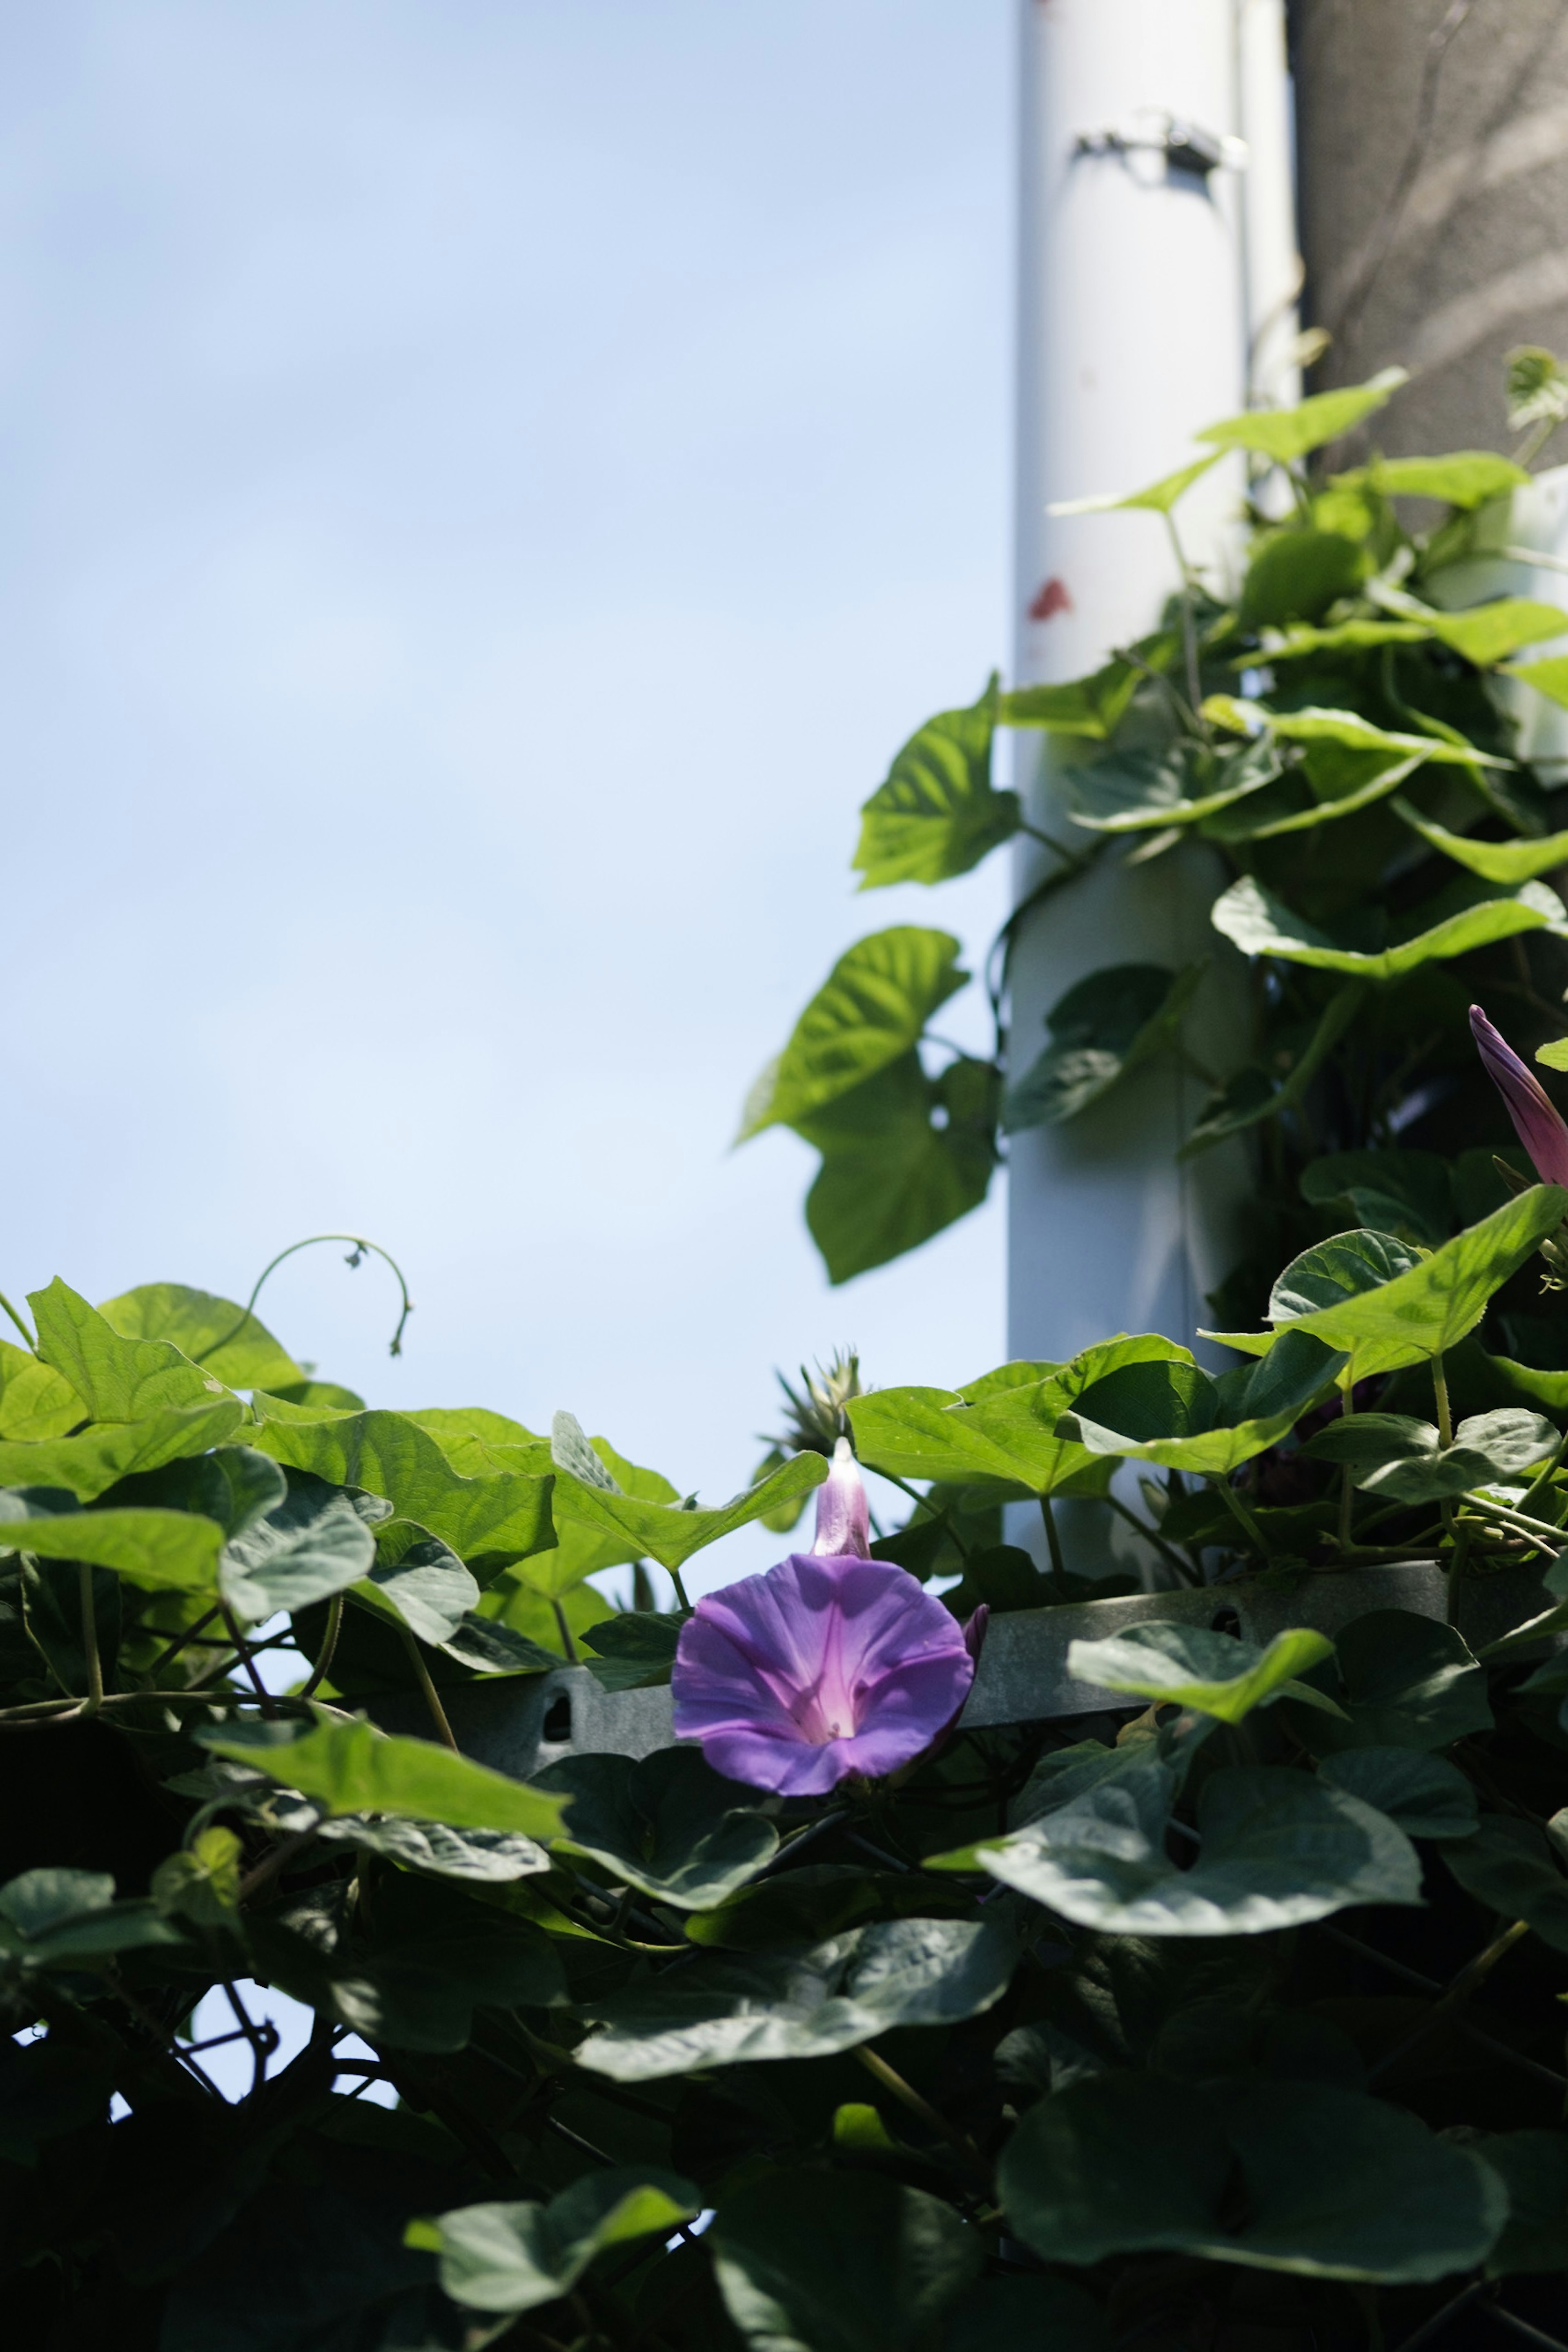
(1053, 599)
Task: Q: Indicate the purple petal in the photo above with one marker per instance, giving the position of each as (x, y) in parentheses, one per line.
(843, 1519)
(1536, 1120)
(824, 1666)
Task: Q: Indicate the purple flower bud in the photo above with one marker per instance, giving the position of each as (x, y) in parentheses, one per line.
(824, 1666)
(844, 1521)
(1537, 1122)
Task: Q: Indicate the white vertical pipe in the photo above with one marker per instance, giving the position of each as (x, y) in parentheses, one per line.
(1271, 259)
(1133, 331)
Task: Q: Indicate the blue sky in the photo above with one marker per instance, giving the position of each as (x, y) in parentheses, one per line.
(487, 490)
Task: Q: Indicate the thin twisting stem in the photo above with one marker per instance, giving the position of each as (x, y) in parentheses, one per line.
(432, 1697)
(1052, 1536)
(329, 1646)
(242, 1648)
(567, 1643)
(89, 1639)
(21, 1326)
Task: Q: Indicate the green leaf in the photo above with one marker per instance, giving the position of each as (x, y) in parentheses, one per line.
(902, 1157)
(432, 1956)
(1549, 677)
(1279, 1848)
(232, 1345)
(1173, 1413)
(1348, 729)
(1509, 1867)
(936, 815)
(69, 1918)
(1186, 1665)
(1105, 1027)
(1144, 791)
(1406, 1460)
(1158, 499)
(151, 1548)
(1333, 2184)
(308, 1545)
(841, 2261)
(89, 1464)
(1462, 917)
(117, 1379)
(470, 1436)
(350, 1767)
(668, 1826)
(721, 2009)
(489, 1647)
(1284, 433)
(413, 1577)
(1465, 478)
(669, 1532)
(1342, 636)
(1424, 1796)
(1093, 705)
(634, 1649)
(514, 2257)
(1404, 1682)
(201, 1882)
(1008, 1436)
(1404, 1194)
(482, 1857)
(1429, 1306)
(1486, 634)
(489, 1520)
(1533, 2166)
(1296, 574)
(34, 1401)
(1507, 862)
(870, 1011)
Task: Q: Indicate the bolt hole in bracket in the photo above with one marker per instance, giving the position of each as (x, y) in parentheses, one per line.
(1183, 147)
(518, 1724)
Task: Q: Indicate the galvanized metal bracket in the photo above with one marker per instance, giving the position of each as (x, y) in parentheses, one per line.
(517, 1725)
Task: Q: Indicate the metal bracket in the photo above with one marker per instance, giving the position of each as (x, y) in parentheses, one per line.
(1185, 146)
(517, 1725)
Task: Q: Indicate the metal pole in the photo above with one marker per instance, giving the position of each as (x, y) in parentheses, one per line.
(1136, 283)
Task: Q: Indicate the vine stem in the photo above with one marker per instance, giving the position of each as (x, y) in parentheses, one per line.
(432, 1697)
(1471, 1976)
(1254, 1531)
(329, 1648)
(1052, 1536)
(242, 1649)
(567, 1643)
(21, 1326)
(360, 1247)
(89, 1639)
(1459, 1536)
(906, 2093)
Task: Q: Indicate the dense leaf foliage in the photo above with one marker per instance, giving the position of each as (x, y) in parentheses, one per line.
(1195, 1975)
(1230, 2001)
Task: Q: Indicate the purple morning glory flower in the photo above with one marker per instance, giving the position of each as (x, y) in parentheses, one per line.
(1536, 1120)
(830, 1663)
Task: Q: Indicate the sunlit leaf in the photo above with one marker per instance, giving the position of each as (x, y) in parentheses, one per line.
(937, 813)
(1462, 917)
(350, 1767)
(1288, 432)
(872, 1009)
